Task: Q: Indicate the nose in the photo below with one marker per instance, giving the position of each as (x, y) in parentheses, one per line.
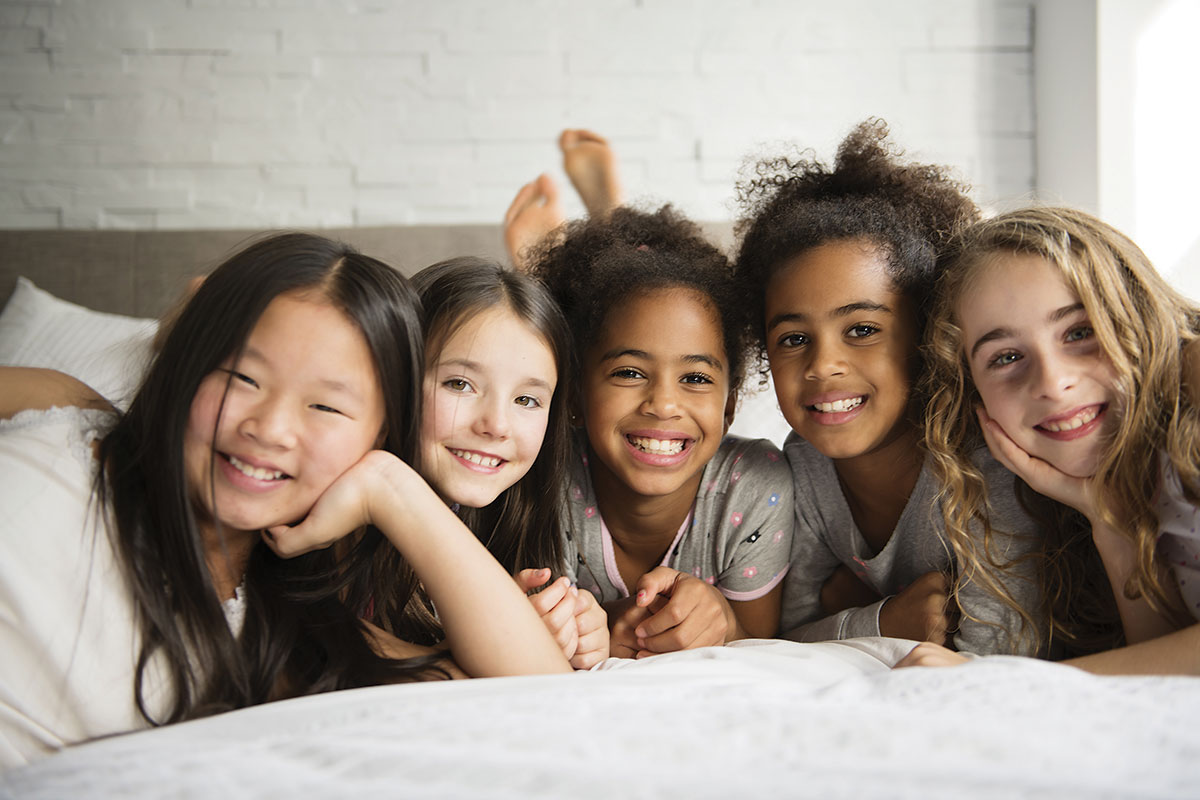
(825, 360)
(1053, 375)
(270, 423)
(493, 418)
(661, 399)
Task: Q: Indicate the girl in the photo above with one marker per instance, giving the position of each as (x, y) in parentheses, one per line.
(697, 525)
(1060, 327)
(836, 265)
(494, 435)
(287, 390)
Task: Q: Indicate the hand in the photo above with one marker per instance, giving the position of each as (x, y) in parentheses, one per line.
(927, 654)
(625, 615)
(344, 507)
(920, 611)
(845, 590)
(1042, 476)
(592, 623)
(695, 614)
(556, 605)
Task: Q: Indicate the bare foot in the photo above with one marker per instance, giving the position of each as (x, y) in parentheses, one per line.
(590, 164)
(533, 213)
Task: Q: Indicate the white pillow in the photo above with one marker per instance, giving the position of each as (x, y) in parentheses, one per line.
(109, 352)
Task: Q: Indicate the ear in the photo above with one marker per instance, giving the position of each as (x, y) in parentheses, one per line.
(730, 408)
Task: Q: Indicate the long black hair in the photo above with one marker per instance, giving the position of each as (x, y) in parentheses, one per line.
(521, 527)
(303, 631)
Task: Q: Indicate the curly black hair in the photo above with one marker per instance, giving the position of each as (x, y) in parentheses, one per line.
(792, 203)
(600, 261)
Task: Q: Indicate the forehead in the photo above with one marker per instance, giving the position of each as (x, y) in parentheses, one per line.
(1012, 286)
(663, 321)
(832, 275)
(493, 336)
(308, 338)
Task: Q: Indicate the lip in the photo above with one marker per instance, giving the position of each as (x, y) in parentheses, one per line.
(659, 459)
(834, 417)
(240, 480)
(471, 465)
(1077, 433)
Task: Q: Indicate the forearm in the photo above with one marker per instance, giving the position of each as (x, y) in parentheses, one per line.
(848, 624)
(1176, 653)
(29, 387)
(1138, 619)
(490, 625)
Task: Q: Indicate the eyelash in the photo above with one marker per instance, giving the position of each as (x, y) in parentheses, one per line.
(694, 378)
(528, 401)
(995, 362)
(457, 385)
(861, 331)
(869, 330)
(241, 377)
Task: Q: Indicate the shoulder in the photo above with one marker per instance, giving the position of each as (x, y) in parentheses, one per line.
(26, 388)
(738, 460)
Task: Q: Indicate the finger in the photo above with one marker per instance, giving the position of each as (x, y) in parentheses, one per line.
(289, 542)
(554, 598)
(548, 189)
(529, 579)
(660, 580)
(677, 609)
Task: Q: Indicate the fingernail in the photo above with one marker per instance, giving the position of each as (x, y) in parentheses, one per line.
(640, 634)
(574, 592)
(641, 594)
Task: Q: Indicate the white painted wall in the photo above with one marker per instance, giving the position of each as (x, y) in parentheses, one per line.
(256, 113)
(1116, 122)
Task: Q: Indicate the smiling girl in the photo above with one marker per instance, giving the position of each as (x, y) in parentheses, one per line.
(281, 406)
(681, 532)
(494, 437)
(1055, 339)
(837, 265)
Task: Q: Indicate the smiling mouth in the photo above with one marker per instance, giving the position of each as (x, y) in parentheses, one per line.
(476, 458)
(1074, 422)
(838, 406)
(657, 447)
(257, 473)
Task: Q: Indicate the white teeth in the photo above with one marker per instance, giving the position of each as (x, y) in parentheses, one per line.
(1077, 421)
(838, 405)
(258, 473)
(662, 447)
(476, 458)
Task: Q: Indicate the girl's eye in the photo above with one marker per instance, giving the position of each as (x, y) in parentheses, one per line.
(696, 378)
(528, 401)
(1003, 359)
(862, 331)
(243, 378)
(457, 385)
(327, 409)
(790, 340)
(1079, 333)
(626, 373)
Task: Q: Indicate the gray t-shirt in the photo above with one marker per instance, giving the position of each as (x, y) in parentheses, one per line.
(737, 537)
(827, 536)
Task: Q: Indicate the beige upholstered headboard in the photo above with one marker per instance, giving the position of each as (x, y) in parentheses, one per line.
(140, 272)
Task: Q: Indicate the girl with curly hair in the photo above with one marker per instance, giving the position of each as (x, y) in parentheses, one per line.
(1056, 342)
(681, 532)
(837, 265)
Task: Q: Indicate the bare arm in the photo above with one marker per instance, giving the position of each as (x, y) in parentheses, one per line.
(491, 627)
(1176, 653)
(24, 388)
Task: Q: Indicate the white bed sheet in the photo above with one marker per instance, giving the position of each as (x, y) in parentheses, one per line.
(775, 719)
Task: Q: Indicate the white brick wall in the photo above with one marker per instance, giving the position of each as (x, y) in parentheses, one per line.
(253, 113)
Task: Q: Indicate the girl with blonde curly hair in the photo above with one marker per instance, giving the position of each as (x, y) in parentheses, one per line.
(1056, 342)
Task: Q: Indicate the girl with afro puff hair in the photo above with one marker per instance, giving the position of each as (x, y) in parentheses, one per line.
(682, 532)
(836, 266)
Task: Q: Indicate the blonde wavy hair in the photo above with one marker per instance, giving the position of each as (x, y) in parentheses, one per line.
(1142, 326)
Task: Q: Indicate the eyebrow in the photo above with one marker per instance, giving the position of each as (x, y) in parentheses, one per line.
(840, 311)
(468, 364)
(691, 358)
(1000, 333)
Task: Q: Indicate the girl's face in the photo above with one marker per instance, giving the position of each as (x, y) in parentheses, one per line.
(1036, 363)
(303, 405)
(655, 391)
(487, 403)
(841, 342)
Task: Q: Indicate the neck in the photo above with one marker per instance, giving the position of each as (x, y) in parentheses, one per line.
(641, 524)
(884, 478)
(227, 553)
